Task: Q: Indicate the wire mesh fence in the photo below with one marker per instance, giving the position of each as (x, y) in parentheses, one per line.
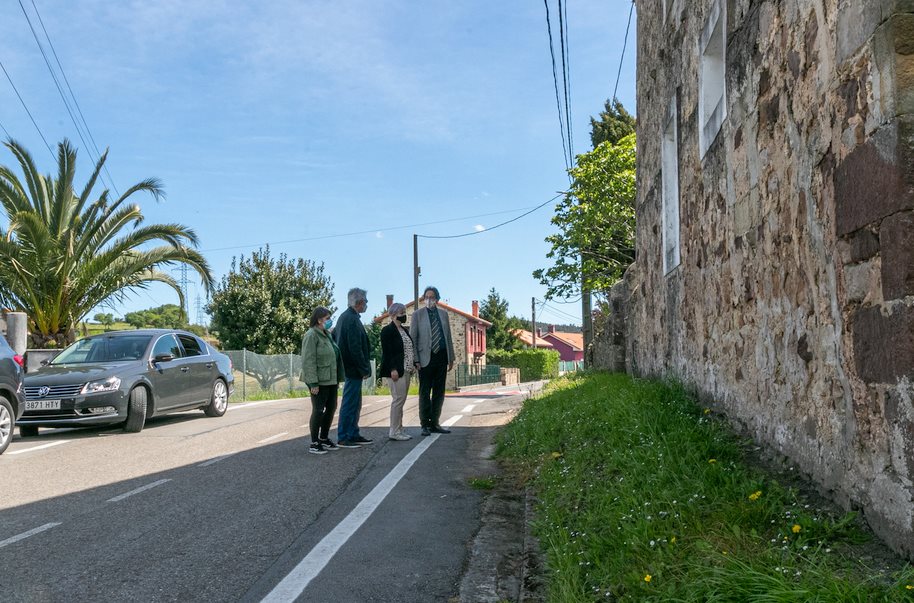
(260, 376)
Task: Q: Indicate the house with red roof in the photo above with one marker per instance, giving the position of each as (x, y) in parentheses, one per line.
(570, 346)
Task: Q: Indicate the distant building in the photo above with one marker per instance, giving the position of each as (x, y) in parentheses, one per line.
(526, 339)
(467, 329)
(570, 346)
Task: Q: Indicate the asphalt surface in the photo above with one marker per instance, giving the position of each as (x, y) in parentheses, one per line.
(236, 509)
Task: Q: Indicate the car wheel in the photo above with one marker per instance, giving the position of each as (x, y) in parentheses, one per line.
(136, 410)
(28, 431)
(6, 423)
(218, 402)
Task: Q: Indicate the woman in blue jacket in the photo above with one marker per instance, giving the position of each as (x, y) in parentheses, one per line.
(322, 370)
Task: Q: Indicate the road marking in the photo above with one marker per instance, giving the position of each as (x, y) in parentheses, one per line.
(468, 408)
(25, 535)
(273, 437)
(252, 404)
(121, 497)
(294, 584)
(217, 459)
(33, 448)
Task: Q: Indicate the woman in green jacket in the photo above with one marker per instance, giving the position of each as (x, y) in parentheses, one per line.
(322, 371)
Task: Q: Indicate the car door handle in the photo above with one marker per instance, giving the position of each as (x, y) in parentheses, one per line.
(209, 365)
(184, 369)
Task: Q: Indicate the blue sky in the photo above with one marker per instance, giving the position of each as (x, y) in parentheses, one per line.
(273, 122)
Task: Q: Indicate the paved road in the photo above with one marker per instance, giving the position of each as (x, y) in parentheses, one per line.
(234, 508)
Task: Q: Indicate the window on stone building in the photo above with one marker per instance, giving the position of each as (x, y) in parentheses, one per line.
(669, 157)
(712, 99)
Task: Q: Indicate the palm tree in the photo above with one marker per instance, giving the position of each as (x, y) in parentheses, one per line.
(63, 254)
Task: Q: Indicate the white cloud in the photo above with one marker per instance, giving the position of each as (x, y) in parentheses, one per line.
(379, 235)
(479, 228)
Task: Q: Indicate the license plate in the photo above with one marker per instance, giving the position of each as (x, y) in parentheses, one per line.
(42, 404)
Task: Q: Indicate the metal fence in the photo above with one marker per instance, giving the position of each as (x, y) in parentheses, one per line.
(570, 366)
(477, 374)
(259, 375)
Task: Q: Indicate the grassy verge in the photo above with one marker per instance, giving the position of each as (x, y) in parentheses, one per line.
(643, 496)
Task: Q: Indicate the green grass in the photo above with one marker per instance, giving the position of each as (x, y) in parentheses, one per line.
(644, 496)
(482, 483)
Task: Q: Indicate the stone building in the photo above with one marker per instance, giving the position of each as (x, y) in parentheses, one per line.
(467, 329)
(775, 231)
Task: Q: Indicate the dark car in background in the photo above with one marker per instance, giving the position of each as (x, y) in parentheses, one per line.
(12, 397)
(127, 377)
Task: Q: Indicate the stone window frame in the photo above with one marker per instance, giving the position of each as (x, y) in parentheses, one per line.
(670, 195)
(712, 81)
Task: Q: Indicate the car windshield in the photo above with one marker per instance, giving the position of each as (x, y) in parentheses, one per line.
(104, 348)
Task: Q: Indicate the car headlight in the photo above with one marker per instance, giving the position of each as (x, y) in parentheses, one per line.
(105, 385)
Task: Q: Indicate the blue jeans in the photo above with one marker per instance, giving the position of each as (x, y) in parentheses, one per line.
(347, 428)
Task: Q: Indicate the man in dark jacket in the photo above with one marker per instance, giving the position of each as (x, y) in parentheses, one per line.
(353, 343)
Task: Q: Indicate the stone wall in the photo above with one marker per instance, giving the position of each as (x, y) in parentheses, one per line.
(793, 306)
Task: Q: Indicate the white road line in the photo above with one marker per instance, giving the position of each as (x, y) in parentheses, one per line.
(25, 535)
(260, 403)
(121, 497)
(468, 408)
(273, 437)
(33, 448)
(294, 584)
(215, 460)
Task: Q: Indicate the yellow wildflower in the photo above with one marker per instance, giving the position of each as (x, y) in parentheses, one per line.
(556, 455)
(796, 528)
(647, 578)
(712, 461)
(673, 540)
(755, 495)
(707, 411)
(909, 587)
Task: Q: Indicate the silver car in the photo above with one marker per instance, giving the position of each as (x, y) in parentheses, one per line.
(126, 377)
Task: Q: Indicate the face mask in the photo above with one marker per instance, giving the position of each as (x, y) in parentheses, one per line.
(431, 303)
(402, 319)
(328, 324)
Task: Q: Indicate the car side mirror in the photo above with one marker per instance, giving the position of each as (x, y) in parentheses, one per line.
(45, 362)
(163, 358)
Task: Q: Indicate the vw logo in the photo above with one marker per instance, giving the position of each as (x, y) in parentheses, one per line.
(43, 391)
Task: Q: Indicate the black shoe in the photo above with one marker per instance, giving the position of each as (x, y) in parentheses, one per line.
(440, 429)
(328, 444)
(316, 448)
(425, 431)
(362, 440)
(347, 444)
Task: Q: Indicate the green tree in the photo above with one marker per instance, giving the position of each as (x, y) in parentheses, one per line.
(264, 305)
(615, 123)
(168, 316)
(495, 310)
(104, 319)
(64, 253)
(596, 222)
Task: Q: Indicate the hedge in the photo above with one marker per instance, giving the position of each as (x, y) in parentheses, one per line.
(533, 364)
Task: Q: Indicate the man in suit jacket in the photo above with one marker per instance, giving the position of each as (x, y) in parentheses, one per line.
(353, 343)
(431, 332)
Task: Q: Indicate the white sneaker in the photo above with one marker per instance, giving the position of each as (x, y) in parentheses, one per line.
(400, 437)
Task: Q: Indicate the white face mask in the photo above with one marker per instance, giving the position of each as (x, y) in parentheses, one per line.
(431, 303)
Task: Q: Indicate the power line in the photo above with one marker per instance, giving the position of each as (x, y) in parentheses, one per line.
(624, 44)
(476, 232)
(72, 95)
(555, 80)
(361, 232)
(5, 131)
(566, 75)
(24, 106)
(60, 91)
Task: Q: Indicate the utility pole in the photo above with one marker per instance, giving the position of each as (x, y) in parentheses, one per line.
(182, 283)
(416, 272)
(533, 321)
(587, 320)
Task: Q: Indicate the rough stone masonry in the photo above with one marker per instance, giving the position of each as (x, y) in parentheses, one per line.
(775, 231)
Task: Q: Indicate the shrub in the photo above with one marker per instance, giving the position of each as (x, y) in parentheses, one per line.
(533, 364)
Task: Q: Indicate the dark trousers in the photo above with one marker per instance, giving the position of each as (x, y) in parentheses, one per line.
(431, 391)
(323, 405)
